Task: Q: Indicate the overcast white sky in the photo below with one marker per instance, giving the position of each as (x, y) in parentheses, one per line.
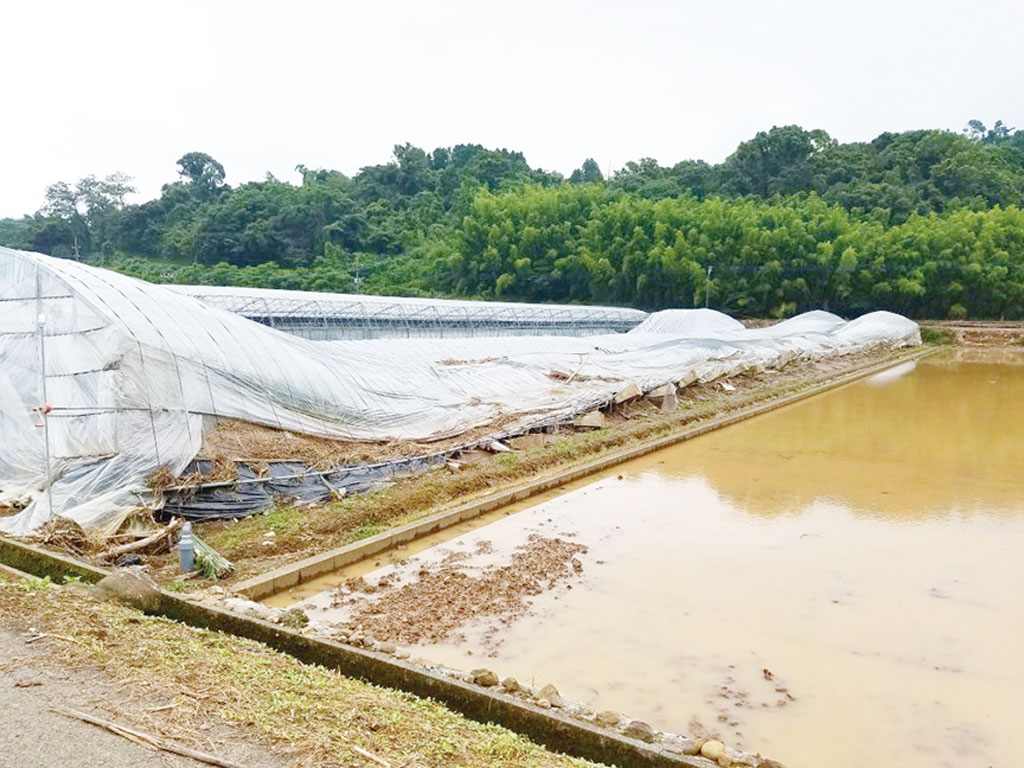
(97, 87)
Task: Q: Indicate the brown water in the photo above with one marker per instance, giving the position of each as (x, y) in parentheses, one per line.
(866, 547)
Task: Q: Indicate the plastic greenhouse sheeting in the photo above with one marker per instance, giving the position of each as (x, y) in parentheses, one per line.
(328, 316)
(131, 372)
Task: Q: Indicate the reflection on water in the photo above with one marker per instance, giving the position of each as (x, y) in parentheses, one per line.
(838, 583)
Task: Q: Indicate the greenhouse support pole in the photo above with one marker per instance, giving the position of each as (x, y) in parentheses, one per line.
(43, 406)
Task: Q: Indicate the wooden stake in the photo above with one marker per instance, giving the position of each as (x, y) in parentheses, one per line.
(142, 543)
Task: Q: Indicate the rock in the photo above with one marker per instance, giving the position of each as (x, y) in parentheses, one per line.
(495, 446)
(543, 703)
(133, 586)
(551, 693)
(259, 611)
(638, 729)
(683, 745)
(739, 759)
(294, 618)
(484, 677)
(770, 764)
(629, 392)
(712, 749)
(401, 654)
(511, 685)
(385, 647)
(607, 717)
(593, 420)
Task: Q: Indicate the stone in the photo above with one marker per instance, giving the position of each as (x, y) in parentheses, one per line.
(638, 729)
(543, 703)
(294, 618)
(770, 764)
(551, 693)
(683, 745)
(132, 586)
(511, 685)
(592, 420)
(712, 749)
(401, 654)
(629, 392)
(607, 717)
(484, 677)
(385, 647)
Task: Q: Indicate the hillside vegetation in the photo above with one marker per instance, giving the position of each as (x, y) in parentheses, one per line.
(928, 223)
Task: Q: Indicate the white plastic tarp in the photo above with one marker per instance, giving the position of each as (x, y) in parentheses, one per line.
(133, 370)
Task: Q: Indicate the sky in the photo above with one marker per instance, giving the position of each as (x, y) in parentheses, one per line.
(99, 87)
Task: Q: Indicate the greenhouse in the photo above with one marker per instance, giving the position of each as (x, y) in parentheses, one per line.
(333, 316)
(105, 379)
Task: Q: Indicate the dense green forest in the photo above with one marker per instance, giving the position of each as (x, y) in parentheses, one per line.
(928, 223)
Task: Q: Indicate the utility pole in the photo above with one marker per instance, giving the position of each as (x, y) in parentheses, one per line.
(707, 287)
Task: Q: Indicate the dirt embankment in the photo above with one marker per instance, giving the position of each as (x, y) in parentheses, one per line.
(980, 333)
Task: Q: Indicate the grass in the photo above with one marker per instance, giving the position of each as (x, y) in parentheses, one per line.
(314, 715)
(936, 335)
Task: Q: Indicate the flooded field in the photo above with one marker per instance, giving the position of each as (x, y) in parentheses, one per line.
(838, 583)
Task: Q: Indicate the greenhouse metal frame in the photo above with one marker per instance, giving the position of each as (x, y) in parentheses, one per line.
(327, 316)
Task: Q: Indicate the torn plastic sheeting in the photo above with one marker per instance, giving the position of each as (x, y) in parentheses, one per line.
(134, 369)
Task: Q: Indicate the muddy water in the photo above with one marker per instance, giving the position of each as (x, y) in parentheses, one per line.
(838, 583)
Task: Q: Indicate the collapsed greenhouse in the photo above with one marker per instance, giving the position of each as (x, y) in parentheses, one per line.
(105, 379)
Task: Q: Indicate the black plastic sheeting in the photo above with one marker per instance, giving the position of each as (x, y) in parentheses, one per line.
(286, 482)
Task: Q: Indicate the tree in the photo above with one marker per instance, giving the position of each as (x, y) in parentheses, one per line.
(778, 161)
(204, 174)
(589, 173)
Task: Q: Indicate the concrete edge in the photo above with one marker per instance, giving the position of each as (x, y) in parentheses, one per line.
(42, 563)
(283, 577)
(549, 728)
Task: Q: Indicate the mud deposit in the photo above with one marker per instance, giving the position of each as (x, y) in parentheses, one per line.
(837, 583)
(438, 601)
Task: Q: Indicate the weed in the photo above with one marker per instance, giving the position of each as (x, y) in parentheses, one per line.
(365, 531)
(35, 584)
(565, 449)
(508, 460)
(931, 334)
